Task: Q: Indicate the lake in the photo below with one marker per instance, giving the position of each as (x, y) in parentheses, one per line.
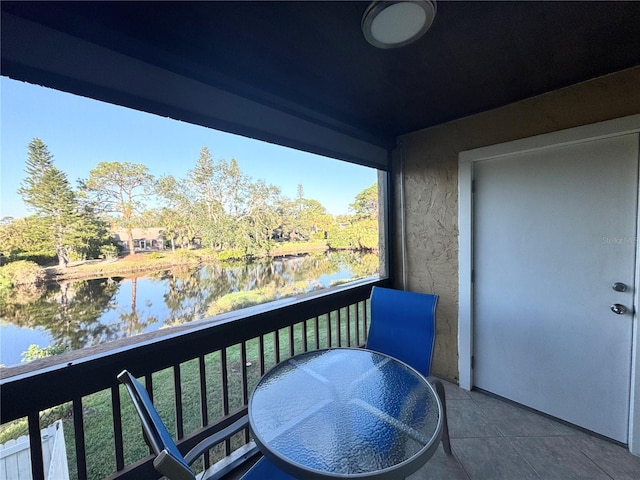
(79, 314)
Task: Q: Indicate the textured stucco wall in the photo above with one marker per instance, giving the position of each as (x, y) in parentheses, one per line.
(429, 160)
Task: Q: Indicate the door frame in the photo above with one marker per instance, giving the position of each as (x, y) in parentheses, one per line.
(466, 159)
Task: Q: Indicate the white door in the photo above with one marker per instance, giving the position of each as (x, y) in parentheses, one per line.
(554, 229)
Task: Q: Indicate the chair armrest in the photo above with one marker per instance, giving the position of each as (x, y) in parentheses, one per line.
(193, 454)
(229, 464)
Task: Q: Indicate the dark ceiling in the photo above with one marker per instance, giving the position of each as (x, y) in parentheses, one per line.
(312, 55)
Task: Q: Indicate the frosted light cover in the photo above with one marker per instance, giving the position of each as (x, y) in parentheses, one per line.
(398, 23)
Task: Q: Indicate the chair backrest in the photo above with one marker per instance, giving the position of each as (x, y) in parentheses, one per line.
(169, 461)
(403, 326)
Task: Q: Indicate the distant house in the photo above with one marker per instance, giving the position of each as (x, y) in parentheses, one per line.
(144, 239)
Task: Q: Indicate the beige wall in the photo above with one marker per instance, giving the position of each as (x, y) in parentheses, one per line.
(430, 162)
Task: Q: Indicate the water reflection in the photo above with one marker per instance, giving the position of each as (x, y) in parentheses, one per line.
(84, 313)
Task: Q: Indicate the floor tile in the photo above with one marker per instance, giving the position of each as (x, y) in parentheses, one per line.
(515, 421)
(453, 392)
(492, 459)
(617, 461)
(557, 458)
(441, 467)
(466, 420)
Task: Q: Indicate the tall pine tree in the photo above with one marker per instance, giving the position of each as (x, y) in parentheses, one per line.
(46, 189)
(122, 188)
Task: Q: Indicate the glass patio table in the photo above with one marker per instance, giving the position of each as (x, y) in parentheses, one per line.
(345, 413)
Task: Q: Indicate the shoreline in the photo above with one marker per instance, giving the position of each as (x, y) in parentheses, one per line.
(141, 262)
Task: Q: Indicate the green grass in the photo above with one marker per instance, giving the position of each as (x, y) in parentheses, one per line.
(97, 410)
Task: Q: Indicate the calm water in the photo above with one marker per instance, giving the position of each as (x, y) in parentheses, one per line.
(83, 313)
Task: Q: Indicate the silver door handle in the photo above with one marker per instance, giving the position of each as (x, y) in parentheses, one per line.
(618, 309)
(619, 287)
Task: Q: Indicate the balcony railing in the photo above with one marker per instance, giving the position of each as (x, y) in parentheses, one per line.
(203, 376)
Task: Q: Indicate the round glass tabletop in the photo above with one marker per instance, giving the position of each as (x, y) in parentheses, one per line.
(345, 413)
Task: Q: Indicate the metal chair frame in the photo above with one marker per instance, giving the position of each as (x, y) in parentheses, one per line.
(175, 466)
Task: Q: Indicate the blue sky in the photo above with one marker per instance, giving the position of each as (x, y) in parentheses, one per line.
(81, 132)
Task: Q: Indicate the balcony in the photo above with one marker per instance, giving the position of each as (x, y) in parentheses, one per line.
(300, 74)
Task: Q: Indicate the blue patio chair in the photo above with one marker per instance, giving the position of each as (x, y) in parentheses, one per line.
(403, 325)
(170, 462)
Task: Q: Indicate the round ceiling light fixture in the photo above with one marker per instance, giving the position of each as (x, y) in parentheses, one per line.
(399, 23)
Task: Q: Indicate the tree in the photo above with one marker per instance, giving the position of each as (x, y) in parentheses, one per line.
(365, 204)
(208, 186)
(88, 235)
(176, 208)
(304, 219)
(363, 231)
(46, 189)
(359, 231)
(236, 188)
(206, 183)
(255, 227)
(121, 188)
(26, 238)
(221, 196)
(206, 180)
(314, 219)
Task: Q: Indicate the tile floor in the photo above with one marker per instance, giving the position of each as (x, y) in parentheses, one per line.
(494, 440)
